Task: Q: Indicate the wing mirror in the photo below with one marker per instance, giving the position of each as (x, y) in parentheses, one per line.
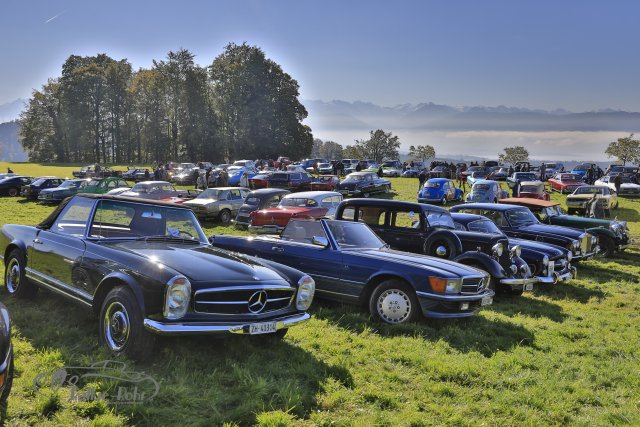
(320, 241)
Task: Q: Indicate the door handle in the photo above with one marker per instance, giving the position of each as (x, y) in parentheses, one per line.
(277, 248)
(38, 241)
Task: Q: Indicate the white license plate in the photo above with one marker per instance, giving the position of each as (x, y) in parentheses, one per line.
(486, 301)
(528, 287)
(262, 328)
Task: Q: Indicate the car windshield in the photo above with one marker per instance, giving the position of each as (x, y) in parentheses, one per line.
(475, 169)
(481, 187)
(551, 166)
(253, 201)
(431, 184)
(70, 184)
(484, 226)
(277, 176)
(353, 235)
(186, 166)
(585, 189)
(569, 177)
(241, 163)
(581, 168)
(93, 183)
(324, 165)
(388, 164)
(526, 176)
(324, 179)
(142, 188)
(521, 217)
(234, 168)
(211, 193)
(531, 189)
(39, 182)
(440, 219)
(354, 177)
(300, 202)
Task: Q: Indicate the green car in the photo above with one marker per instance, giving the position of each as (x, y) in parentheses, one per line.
(612, 235)
(103, 185)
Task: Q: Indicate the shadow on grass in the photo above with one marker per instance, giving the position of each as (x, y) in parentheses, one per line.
(510, 305)
(603, 273)
(203, 380)
(626, 214)
(569, 291)
(474, 334)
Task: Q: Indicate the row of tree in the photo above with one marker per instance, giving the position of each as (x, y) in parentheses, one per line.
(99, 110)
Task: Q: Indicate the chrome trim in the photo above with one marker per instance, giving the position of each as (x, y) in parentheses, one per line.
(245, 288)
(66, 290)
(517, 281)
(456, 298)
(187, 328)
(239, 302)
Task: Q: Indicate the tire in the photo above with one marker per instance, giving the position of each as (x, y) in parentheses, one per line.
(393, 302)
(387, 189)
(607, 247)
(449, 243)
(121, 326)
(8, 382)
(14, 276)
(365, 195)
(444, 201)
(13, 192)
(225, 216)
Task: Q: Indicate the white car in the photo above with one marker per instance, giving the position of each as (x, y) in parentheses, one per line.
(391, 171)
(627, 187)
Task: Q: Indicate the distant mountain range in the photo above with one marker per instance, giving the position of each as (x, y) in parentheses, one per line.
(11, 110)
(10, 148)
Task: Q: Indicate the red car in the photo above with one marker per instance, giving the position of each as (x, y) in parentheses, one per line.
(565, 182)
(281, 160)
(533, 190)
(305, 205)
(259, 181)
(325, 183)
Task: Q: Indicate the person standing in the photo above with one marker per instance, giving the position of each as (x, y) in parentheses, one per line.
(380, 173)
(358, 167)
(589, 176)
(9, 170)
(543, 172)
(516, 189)
(244, 180)
(422, 177)
(617, 181)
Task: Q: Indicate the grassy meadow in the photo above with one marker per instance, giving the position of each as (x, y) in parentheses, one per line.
(564, 354)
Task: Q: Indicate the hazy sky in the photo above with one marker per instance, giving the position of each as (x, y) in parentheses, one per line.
(578, 55)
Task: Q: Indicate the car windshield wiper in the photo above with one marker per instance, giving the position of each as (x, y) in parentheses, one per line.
(165, 238)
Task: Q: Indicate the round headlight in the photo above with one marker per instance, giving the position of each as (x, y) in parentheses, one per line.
(177, 297)
(575, 244)
(516, 250)
(545, 260)
(497, 249)
(306, 290)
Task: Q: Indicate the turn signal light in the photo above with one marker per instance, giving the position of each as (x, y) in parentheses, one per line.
(438, 284)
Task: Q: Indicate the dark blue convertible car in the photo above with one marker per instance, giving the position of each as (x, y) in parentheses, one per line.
(350, 263)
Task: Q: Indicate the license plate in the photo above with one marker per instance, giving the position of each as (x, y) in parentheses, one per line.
(486, 301)
(528, 287)
(262, 328)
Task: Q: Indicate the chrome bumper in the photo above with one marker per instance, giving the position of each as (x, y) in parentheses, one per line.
(192, 328)
(571, 274)
(516, 281)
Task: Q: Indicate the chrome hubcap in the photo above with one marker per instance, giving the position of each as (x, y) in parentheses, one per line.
(394, 306)
(13, 276)
(116, 326)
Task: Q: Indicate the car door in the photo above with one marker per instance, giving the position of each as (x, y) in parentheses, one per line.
(402, 230)
(55, 254)
(235, 200)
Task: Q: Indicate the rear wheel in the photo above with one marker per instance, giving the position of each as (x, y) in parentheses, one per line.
(13, 192)
(15, 278)
(387, 189)
(393, 302)
(444, 200)
(225, 216)
(8, 381)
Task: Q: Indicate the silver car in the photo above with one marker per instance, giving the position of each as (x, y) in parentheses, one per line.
(220, 203)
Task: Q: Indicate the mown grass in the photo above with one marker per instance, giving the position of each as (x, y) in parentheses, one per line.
(566, 354)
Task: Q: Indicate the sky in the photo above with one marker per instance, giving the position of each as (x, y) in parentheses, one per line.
(578, 55)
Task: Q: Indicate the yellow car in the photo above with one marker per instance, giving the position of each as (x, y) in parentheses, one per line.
(578, 200)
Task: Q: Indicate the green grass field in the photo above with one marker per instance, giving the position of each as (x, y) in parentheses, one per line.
(565, 354)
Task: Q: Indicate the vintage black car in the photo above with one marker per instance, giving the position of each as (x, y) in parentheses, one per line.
(145, 268)
(96, 171)
(6, 355)
(351, 264)
(32, 190)
(548, 263)
(519, 221)
(10, 186)
(57, 194)
(363, 184)
(430, 230)
(256, 200)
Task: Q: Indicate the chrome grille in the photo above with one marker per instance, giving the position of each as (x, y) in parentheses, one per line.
(585, 243)
(472, 285)
(550, 268)
(236, 300)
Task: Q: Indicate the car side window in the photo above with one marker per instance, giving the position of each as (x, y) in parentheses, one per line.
(235, 194)
(404, 219)
(112, 219)
(460, 227)
(74, 217)
(273, 201)
(497, 217)
(372, 216)
(349, 214)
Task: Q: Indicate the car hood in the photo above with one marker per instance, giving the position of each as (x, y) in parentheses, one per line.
(578, 221)
(551, 229)
(552, 251)
(629, 185)
(200, 202)
(583, 196)
(437, 266)
(201, 263)
(55, 190)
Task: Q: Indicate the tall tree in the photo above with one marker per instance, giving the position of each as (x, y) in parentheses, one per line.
(514, 154)
(422, 152)
(380, 146)
(625, 149)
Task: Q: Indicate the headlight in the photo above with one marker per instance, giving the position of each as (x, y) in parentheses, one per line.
(177, 297)
(497, 249)
(594, 240)
(575, 245)
(516, 250)
(569, 256)
(545, 260)
(306, 289)
(454, 286)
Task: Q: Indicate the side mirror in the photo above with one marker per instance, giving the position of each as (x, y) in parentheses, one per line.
(212, 238)
(320, 241)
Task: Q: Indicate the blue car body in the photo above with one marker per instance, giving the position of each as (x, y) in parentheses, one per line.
(486, 191)
(439, 190)
(236, 174)
(349, 274)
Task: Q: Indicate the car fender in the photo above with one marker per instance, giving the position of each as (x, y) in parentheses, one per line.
(113, 279)
(292, 275)
(15, 243)
(483, 260)
(601, 231)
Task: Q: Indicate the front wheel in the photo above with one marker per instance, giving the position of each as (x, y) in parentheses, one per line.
(13, 192)
(121, 326)
(444, 200)
(393, 302)
(607, 246)
(15, 278)
(387, 190)
(225, 216)
(8, 381)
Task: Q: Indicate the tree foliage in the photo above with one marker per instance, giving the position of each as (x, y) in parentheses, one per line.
(326, 149)
(514, 154)
(100, 110)
(625, 149)
(380, 146)
(422, 152)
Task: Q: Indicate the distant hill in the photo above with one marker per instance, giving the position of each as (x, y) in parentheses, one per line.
(11, 110)
(10, 148)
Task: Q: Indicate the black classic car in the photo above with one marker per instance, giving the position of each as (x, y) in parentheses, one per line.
(96, 171)
(363, 184)
(32, 190)
(430, 230)
(146, 268)
(6, 355)
(548, 263)
(351, 264)
(57, 194)
(10, 186)
(518, 221)
(256, 200)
